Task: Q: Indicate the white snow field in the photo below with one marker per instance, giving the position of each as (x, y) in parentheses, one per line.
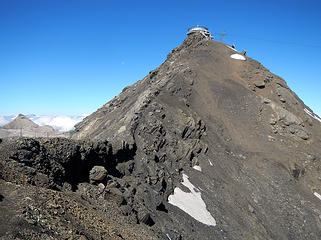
(191, 203)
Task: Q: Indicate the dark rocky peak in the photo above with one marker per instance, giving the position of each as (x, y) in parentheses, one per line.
(191, 41)
(217, 116)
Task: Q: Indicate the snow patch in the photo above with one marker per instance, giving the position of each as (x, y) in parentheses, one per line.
(238, 57)
(210, 162)
(198, 168)
(191, 203)
(122, 129)
(317, 195)
(311, 114)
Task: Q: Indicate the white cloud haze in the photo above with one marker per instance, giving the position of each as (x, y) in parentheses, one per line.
(6, 119)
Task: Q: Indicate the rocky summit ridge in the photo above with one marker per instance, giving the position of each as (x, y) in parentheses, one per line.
(210, 145)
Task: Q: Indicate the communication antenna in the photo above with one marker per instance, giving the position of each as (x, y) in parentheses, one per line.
(222, 35)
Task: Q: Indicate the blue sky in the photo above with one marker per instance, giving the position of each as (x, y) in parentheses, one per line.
(71, 57)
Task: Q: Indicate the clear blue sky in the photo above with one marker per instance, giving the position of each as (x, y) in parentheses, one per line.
(70, 57)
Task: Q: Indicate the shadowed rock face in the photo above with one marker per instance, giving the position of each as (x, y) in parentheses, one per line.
(242, 138)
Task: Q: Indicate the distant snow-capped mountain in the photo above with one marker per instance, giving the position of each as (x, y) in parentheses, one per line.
(60, 122)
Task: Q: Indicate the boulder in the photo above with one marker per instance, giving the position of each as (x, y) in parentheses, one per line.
(259, 84)
(97, 174)
(302, 134)
(125, 168)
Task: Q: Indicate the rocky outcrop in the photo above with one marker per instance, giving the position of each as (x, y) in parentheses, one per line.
(232, 126)
(97, 174)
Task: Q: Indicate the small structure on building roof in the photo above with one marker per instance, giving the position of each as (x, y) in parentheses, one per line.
(203, 30)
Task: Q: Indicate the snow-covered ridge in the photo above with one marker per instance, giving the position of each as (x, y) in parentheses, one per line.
(311, 114)
(61, 122)
(191, 203)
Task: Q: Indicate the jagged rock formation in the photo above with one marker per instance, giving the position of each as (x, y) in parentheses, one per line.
(207, 146)
(52, 197)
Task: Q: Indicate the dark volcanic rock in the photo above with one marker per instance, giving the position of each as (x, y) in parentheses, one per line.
(97, 174)
(217, 123)
(61, 160)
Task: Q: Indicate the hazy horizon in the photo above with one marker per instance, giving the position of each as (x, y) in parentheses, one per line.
(61, 123)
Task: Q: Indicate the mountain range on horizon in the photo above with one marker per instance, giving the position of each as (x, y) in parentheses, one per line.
(62, 123)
